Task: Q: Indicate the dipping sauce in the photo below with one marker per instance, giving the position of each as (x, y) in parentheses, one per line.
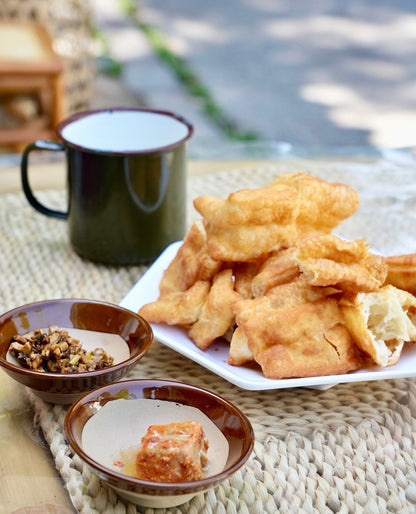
(58, 350)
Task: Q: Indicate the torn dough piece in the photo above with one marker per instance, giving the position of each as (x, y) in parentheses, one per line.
(381, 322)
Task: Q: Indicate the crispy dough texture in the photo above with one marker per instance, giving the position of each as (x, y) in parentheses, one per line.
(217, 312)
(328, 260)
(178, 308)
(401, 271)
(263, 271)
(323, 205)
(259, 206)
(329, 352)
(191, 263)
(239, 353)
(287, 325)
(254, 222)
(381, 322)
(250, 223)
(247, 243)
(283, 296)
(296, 330)
(279, 268)
(244, 273)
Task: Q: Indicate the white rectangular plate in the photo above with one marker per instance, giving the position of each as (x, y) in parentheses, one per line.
(215, 358)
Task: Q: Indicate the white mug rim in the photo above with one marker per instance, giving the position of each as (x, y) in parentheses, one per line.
(84, 114)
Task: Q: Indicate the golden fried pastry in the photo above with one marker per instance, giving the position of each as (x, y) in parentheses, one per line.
(401, 271)
(328, 260)
(239, 353)
(280, 297)
(287, 325)
(287, 295)
(259, 206)
(294, 330)
(191, 263)
(279, 268)
(247, 243)
(296, 292)
(217, 314)
(381, 322)
(263, 271)
(249, 223)
(323, 205)
(328, 352)
(244, 272)
(181, 308)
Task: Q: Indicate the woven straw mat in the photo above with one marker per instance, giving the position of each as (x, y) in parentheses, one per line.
(348, 449)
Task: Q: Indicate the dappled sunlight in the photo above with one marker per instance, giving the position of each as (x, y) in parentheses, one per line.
(128, 44)
(198, 31)
(389, 126)
(331, 95)
(334, 32)
(326, 73)
(323, 73)
(358, 77)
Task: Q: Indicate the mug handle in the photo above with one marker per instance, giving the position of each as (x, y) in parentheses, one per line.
(34, 202)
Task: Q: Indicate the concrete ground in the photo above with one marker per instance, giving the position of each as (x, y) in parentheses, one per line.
(323, 73)
(311, 74)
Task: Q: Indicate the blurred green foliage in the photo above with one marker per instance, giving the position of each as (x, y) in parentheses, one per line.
(186, 75)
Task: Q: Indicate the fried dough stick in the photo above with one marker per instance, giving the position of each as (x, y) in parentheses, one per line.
(401, 271)
(300, 340)
(250, 223)
(323, 205)
(217, 312)
(328, 260)
(191, 263)
(262, 308)
(180, 308)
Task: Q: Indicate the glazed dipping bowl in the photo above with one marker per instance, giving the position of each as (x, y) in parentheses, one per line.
(125, 336)
(111, 431)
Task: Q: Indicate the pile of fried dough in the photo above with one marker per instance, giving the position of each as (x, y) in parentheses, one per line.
(263, 271)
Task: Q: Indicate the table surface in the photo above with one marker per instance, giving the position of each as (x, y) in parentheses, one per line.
(35, 482)
(29, 477)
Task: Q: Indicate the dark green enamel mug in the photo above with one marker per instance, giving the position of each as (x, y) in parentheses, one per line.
(126, 176)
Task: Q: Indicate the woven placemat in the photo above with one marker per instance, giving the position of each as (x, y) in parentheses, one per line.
(349, 449)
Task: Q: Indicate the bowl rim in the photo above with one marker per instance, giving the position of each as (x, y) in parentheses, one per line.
(50, 375)
(150, 487)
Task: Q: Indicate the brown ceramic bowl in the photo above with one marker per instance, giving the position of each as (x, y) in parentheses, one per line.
(125, 335)
(232, 425)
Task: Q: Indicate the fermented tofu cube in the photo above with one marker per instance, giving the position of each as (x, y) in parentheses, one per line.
(174, 452)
